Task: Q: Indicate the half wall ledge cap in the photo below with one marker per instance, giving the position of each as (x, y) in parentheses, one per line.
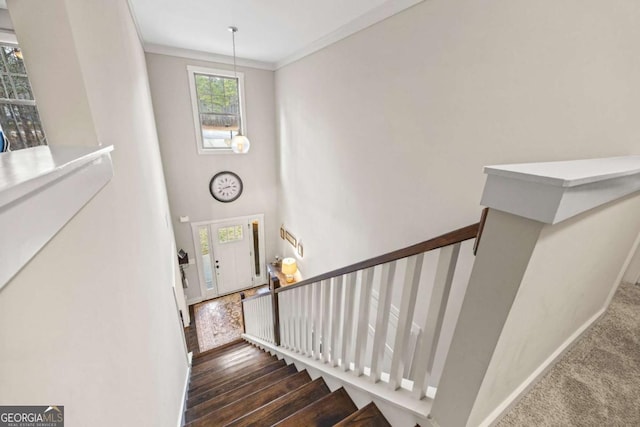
(41, 189)
(551, 192)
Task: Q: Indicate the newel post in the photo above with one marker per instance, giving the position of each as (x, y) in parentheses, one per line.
(274, 283)
(244, 322)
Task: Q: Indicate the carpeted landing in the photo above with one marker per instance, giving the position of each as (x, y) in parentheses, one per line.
(597, 383)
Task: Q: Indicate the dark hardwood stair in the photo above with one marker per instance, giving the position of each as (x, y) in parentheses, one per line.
(327, 411)
(207, 393)
(240, 385)
(367, 416)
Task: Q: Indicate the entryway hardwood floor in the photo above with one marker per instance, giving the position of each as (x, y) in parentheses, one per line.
(217, 321)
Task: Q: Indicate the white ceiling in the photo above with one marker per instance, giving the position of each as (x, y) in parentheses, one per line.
(272, 32)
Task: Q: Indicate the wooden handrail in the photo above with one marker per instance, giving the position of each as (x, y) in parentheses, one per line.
(453, 237)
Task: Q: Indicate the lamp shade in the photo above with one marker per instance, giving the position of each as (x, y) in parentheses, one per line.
(240, 144)
(289, 266)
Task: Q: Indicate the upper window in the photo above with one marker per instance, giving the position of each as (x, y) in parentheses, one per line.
(19, 120)
(217, 97)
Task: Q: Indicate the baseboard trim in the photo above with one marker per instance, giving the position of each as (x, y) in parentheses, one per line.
(183, 405)
(194, 301)
(495, 416)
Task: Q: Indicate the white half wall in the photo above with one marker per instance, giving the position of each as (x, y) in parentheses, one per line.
(188, 173)
(574, 269)
(91, 321)
(632, 275)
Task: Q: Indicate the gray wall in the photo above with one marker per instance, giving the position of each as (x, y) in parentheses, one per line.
(91, 322)
(384, 134)
(188, 173)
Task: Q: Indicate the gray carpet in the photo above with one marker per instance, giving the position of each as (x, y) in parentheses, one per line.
(597, 383)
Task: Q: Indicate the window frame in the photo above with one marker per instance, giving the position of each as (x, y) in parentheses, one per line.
(192, 70)
(10, 41)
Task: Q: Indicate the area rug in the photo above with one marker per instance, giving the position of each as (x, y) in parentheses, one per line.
(219, 321)
(597, 383)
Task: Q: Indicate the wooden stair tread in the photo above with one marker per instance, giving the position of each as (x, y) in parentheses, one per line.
(253, 401)
(226, 356)
(238, 393)
(205, 393)
(367, 416)
(221, 363)
(322, 413)
(215, 352)
(284, 406)
(219, 376)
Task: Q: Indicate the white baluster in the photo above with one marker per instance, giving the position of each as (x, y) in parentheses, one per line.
(294, 319)
(284, 331)
(253, 317)
(433, 324)
(382, 319)
(291, 326)
(264, 317)
(270, 320)
(307, 321)
(347, 331)
(260, 316)
(317, 318)
(336, 318)
(405, 318)
(250, 317)
(299, 314)
(362, 331)
(326, 304)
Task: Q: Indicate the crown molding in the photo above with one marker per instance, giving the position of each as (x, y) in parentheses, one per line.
(206, 56)
(370, 18)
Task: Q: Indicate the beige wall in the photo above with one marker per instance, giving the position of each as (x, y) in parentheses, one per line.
(188, 173)
(383, 135)
(91, 322)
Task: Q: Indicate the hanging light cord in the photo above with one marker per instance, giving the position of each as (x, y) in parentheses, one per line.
(239, 143)
(233, 39)
(235, 71)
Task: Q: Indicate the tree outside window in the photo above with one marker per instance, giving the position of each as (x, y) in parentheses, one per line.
(217, 98)
(19, 120)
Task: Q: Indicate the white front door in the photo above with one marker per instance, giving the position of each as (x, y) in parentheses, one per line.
(232, 256)
(229, 254)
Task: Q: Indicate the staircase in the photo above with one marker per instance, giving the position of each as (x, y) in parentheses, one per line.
(240, 385)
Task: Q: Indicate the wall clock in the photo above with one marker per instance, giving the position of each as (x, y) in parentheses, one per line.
(225, 186)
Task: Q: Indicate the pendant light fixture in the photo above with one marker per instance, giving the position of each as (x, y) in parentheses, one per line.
(239, 143)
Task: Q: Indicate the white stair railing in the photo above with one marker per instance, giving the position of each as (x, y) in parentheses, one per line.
(328, 318)
(258, 317)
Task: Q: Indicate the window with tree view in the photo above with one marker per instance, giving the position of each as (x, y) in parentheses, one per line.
(19, 119)
(217, 107)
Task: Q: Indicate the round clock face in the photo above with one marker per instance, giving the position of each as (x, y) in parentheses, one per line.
(225, 186)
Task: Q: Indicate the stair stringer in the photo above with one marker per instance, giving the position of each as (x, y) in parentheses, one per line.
(398, 407)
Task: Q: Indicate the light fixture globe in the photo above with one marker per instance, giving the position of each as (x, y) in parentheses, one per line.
(240, 144)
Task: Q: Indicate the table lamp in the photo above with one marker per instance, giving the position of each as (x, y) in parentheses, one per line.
(289, 268)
